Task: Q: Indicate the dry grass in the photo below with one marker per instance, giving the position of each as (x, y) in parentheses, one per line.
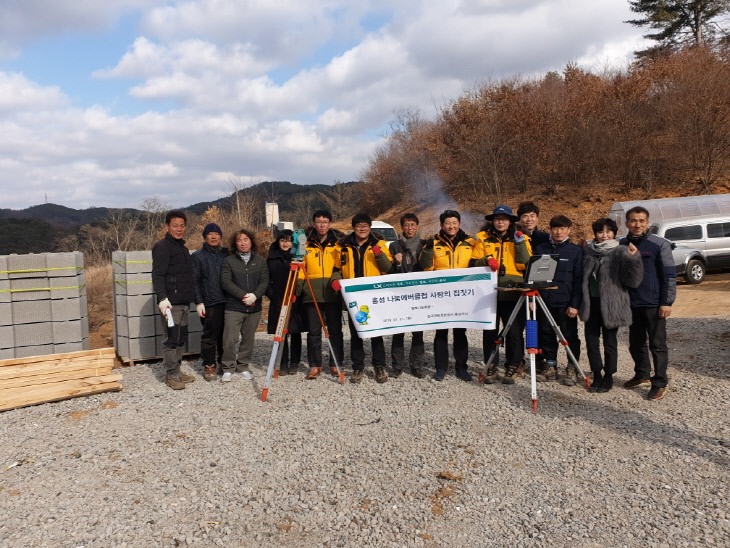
(99, 294)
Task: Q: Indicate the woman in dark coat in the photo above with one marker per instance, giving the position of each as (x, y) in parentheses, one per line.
(280, 257)
(609, 270)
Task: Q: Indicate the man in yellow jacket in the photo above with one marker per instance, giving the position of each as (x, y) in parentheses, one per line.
(361, 254)
(319, 262)
(505, 250)
(450, 248)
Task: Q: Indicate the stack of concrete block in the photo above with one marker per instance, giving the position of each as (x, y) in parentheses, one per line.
(139, 329)
(43, 308)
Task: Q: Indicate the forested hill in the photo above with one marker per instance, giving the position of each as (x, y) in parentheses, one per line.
(57, 215)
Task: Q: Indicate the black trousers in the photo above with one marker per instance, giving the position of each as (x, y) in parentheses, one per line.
(514, 348)
(398, 354)
(332, 315)
(295, 347)
(569, 328)
(441, 348)
(357, 349)
(211, 341)
(594, 328)
(646, 322)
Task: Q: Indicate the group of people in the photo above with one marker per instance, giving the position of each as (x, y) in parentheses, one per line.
(607, 283)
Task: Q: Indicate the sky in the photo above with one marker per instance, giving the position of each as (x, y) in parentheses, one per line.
(109, 103)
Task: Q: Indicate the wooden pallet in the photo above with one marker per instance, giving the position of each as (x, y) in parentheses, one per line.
(55, 377)
(128, 362)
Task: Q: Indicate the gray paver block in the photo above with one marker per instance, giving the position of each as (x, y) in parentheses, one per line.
(70, 331)
(26, 289)
(3, 267)
(27, 266)
(193, 344)
(135, 327)
(194, 323)
(137, 349)
(32, 334)
(7, 353)
(68, 288)
(135, 305)
(31, 311)
(64, 264)
(7, 336)
(68, 309)
(132, 262)
(38, 350)
(71, 347)
(133, 284)
(6, 313)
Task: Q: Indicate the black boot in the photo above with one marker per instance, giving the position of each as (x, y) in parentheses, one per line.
(597, 381)
(606, 385)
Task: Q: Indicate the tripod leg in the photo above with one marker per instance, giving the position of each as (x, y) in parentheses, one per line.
(562, 339)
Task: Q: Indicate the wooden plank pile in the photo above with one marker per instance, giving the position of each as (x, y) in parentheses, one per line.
(41, 379)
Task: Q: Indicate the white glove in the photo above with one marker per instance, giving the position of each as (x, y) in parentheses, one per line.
(249, 299)
(201, 309)
(164, 305)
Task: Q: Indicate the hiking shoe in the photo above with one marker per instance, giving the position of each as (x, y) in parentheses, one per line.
(227, 377)
(510, 372)
(185, 378)
(417, 372)
(283, 370)
(174, 382)
(334, 372)
(313, 373)
(606, 384)
(636, 382)
(490, 377)
(357, 375)
(656, 393)
(293, 368)
(549, 375)
(571, 377)
(396, 373)
(209, 373)
(246, 375)
(439, 375)
(380, 375)
(463, 374)
(521, 370)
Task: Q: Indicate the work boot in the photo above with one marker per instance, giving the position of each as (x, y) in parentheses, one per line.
(439, 375)
(606, 384)
(490, 377)
(571, 376)
(521, 370)
(209, 373)
(356, 377)
(380, 375)
(510, 372)
(185, 378)
(333, 371)
(463, 374)
(313, 373)
(396, 373)
(174, 382)
(551, 372)
(636, 382)
(283, 369)
(597, 381)
(293, 368)
(417, 372)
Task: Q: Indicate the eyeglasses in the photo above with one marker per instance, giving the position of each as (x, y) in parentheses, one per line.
(321, 222)
(362, 226)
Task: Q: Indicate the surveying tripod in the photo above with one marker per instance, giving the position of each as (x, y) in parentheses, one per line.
(532, 298)
(282, 325)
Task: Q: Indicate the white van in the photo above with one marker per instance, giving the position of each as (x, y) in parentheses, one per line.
(387, 231)
(699, 243)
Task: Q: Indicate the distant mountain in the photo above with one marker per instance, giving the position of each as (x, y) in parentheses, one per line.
(57, 215)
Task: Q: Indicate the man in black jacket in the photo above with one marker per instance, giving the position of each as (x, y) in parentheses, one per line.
(405, 251)
(528, 214)
(172, 281)
(563, 302)
(209, 297)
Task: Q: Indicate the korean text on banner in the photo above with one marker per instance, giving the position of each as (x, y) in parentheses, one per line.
(420, 301)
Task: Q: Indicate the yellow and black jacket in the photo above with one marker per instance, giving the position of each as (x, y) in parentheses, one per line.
(319, 263)
(512, 257)
(447, 253)
(355, 261)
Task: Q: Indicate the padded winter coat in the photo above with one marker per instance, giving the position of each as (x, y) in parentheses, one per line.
(447, 253)
(568, 275)
(319, 262)
(172, 271)
(278, 264)
(510, 255)
(354, 261)
(239, 278)
(617, 273)
(207, 263)
(659, 285)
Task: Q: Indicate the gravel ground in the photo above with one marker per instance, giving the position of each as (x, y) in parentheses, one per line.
(406, 463)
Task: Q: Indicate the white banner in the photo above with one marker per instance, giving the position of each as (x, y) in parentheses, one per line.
(420, 301)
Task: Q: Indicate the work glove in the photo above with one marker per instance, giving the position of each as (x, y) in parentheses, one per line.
(201, 309)
(249, 299)
(164, 305)
(336, 285)
(429, 243)
(493, 264)
(519, 237)
(377, 251)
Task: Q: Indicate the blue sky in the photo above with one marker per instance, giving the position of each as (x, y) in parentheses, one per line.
(110, 103)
